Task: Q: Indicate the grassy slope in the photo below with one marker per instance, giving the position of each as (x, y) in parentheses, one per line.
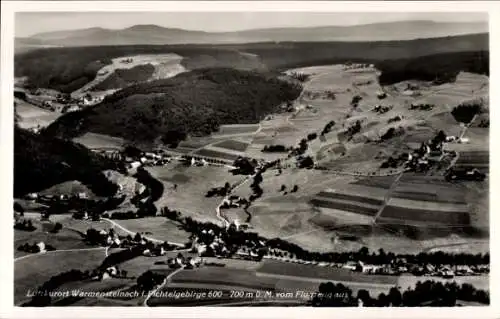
(41, 162)
(196, 102)
(67, 69)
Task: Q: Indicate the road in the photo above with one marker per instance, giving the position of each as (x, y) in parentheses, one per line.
(165, 282)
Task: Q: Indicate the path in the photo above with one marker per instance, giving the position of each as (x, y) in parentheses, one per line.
(387, 197)
(51, 252)
(160, 286)
(224, 220)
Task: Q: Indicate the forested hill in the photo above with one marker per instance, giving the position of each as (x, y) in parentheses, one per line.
(194, 103)
(68, 69)
(41, 162)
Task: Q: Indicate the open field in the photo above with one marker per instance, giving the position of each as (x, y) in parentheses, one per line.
(31, 116)
(428, 217)
(350, 197)
(236, 278)
(370, 211)
(232, 145)
(193, 184)
(323, 274)
(216, 154)
(237, 129)
(64, 239)
(166, 65)
(96, 141)
(157, 227)
(32, 272)
(68, 188)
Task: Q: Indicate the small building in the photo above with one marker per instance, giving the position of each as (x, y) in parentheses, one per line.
(41, 247)
(134, 165)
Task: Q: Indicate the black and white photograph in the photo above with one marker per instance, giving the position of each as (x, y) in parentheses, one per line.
(250, 159)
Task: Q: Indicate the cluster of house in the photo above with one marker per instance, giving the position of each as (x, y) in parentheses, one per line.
(233, 201)
(126, 61)
(51, 198)
(185, 262)
(351, 66)
(158, 158)
(424, 157)
(88, 100)
(399, 267)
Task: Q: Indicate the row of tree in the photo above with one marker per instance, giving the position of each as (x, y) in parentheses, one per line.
(427, 293)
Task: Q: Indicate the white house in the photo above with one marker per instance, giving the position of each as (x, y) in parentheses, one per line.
(41, 246)
(82, 195)
(463, 140)
(134, 165)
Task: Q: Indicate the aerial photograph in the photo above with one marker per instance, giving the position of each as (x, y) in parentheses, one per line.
(251, 159)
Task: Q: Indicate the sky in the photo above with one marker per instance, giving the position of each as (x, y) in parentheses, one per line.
(29, 23)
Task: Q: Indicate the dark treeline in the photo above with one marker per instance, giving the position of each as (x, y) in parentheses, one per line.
(428, 293)
(441, 68)
(41, 162)
(67, 69)
(465, 112)
(380, 257)
(43, 299)
(275, 149)
(155, 187)
(195, 103)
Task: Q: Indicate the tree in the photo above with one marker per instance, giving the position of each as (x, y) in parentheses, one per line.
(137, 237)
(395, 297)
(283, 188)
(382, 300)
(364, 296)
(295, 188)
(57, 227)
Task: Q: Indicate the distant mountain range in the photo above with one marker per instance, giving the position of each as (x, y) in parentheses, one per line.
(155, 35)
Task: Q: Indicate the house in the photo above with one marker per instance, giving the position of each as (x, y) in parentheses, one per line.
(139, 188)
(82, 195)
(451, 139)
(463, 140)
(134, 165)
(41, 247)
(32, 196)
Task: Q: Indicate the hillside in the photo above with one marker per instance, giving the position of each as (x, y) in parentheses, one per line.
(68, 69)
(41, 162)
(124, 77)
(194, 103)
(157, 35)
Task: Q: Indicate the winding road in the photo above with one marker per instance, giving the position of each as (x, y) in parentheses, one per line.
(160, 286)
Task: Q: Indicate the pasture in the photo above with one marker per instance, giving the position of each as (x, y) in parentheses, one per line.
(344, 276)
(30, 273)
(422, 216)
(96, 141)
(193, 183)
(31, 116)
(156, 227)
(64, 239)
(236, 278)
